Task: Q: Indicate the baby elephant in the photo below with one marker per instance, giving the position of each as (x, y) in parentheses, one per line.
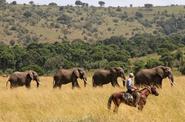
(23, 79)
(64, 76)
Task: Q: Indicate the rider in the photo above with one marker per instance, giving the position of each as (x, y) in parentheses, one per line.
(132, 89)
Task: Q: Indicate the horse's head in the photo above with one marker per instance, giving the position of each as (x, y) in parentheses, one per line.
(154, 90)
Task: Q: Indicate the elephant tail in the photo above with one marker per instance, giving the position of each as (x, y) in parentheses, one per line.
(7, 83)
(109, 102)
(93, 82)
(53, 82)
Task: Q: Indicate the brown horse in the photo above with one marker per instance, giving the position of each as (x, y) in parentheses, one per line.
(119, 98)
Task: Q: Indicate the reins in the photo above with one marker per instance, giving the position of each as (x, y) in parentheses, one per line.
(142, 92)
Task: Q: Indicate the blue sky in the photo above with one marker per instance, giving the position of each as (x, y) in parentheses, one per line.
(108, 2)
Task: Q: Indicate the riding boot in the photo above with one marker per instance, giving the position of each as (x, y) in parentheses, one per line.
(137, 99)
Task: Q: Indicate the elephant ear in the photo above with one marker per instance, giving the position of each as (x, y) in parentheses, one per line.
(30, 74)
(80, 71)
(113, 70)
(76, 73)
(160, 71)
(119, 69)
(167, 71)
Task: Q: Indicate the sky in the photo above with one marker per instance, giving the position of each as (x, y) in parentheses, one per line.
(107, 2)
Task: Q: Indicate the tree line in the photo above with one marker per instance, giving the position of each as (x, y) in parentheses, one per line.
(45, 58)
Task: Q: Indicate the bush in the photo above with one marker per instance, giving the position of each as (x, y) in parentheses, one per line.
(27, 14)
(153, 63)
(36, 68)
(167, 59)
(139, 15)
(64, 19)
(138, 65)
(9, 71)
(182, 69)
(52, 4)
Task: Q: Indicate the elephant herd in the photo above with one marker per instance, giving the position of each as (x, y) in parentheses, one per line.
(153, 76)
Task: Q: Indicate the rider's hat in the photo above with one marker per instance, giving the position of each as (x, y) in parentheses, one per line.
(131, 75)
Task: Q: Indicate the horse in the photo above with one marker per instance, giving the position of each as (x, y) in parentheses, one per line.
(119, 98)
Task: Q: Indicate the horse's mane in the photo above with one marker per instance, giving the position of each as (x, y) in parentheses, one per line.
(140, 91)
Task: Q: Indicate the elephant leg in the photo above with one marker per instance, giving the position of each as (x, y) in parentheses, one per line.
(11, 85)
(94, 85)
(77, 85)
(54, 86)
(27, 86)
(114, 84)
(160, 84)
(73, 85)
(37, 84)
(117, 84)
(60, 86)
(123, 83)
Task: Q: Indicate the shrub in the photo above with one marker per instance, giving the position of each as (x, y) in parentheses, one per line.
(52, 4)
(9, 71)
(167, 59)
(153, 63)
(138, 65)
(36, 68)
(139, 15)
(182, 69)
(27, 14)
(64, 19)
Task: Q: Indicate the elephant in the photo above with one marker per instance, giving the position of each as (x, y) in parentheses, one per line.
(65, 76)
(105, 76)
(23, 79)
(154, 76)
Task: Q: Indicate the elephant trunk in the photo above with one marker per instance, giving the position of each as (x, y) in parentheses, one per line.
(85, 81)
(171, 78)
(37, 81)
(123, 77)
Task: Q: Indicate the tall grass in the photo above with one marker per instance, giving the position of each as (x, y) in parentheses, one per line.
(86, 104)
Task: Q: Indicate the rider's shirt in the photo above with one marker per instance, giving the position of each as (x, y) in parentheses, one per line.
(129, 84)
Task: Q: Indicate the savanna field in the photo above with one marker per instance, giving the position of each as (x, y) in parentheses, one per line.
(87, 104)
(45, 37)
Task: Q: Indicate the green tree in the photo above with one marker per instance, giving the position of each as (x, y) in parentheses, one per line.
(167, 59)
(19, 53)
(101, 3)
(27, 14)
(36, 68)
(139, 14)
(7, 58)
(2, 2)
(138, 65)
(153, 63)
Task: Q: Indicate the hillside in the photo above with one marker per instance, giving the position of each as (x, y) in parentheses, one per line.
(49, 23)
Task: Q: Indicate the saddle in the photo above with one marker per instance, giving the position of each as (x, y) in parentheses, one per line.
(129, 99)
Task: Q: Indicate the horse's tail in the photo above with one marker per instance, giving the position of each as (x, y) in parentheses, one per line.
(109, 102)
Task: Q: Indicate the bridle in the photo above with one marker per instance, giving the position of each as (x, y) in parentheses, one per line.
(147, 88)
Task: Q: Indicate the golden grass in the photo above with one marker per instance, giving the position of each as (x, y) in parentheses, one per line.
(86, 104)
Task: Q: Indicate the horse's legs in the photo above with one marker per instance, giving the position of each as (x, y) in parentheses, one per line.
(117, 103)
(115, 109)
(140, 107)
